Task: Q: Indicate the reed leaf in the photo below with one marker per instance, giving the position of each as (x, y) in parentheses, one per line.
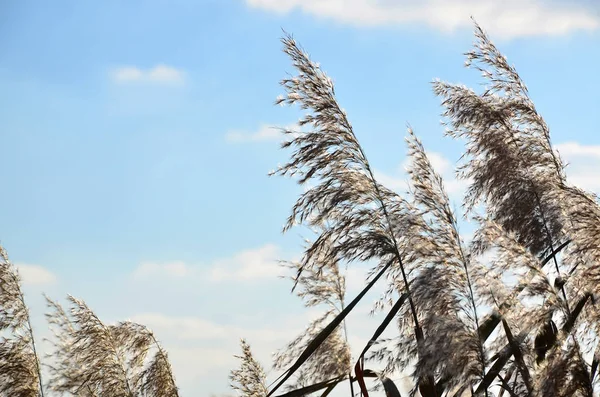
(316, 342)
(326, 384)
(517, 352)
(456, 295)
(319, 285)
(380, 329)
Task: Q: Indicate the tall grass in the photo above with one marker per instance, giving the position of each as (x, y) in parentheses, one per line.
(89, 358)
(513, 310)
(20, 373)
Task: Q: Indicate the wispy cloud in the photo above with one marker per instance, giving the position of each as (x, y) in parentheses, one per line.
(36, 275)
(248, 265)
(574, 149)
(261, 263)
(504, 19)
(264, 133)
(172, 269)
(583, 163)
(196, 328)
(159, 74)
(203, 347)
(399, 180)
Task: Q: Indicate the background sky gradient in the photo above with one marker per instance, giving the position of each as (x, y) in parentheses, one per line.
(136, 140)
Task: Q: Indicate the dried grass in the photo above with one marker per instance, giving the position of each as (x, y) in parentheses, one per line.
(488, 313)
(250, 379)
(20, 374)
(122, 360)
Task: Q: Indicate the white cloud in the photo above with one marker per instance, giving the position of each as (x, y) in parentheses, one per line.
(583, 163)
(264, 133)
(573, 149)
(201, 348)
(504, 19)
(399, 183)
(251, 264)
(35, 275)
(171, 269)
(189, 339)
(160, 74)
(199, 329)
(439, 162)
(184, 327)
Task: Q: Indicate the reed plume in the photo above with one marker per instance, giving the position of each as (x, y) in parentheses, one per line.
(91, 358)
(87, 356)
(147, 361)
(359, 219)
(509, 156)
(319, 285)
(469, 316)
(250, 378)
(444, 289)
(20, 373)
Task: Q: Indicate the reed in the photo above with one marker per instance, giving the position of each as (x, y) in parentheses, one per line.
(89, 358)
(514, 310)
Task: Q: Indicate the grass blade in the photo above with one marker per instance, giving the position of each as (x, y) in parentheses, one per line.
(327, 384)
(488, 325)
(516, 349)
(568, 326)
(505, 386)
(595, 362)
(386, 321)
(325, 332)
(329, 390)
(361, 380)
(498, 365)
(390, 388)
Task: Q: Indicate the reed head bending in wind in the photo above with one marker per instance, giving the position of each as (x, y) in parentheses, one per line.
(514, 309)
(359, 219)
(91, 358)
(88, 359)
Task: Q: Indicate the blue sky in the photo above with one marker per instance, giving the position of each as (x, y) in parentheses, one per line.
(136, 144)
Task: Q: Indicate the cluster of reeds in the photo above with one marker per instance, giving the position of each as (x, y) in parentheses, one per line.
(89, 358)
(511, 312)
